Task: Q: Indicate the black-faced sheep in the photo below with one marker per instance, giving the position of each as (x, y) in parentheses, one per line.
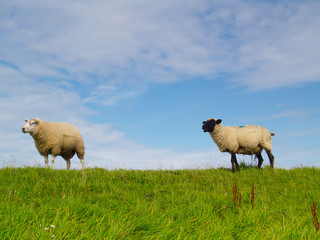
(248, 139)
(56, 139)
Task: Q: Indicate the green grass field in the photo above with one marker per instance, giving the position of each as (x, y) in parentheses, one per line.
(184, 204)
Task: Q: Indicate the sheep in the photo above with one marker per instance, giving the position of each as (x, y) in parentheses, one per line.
(248, 139)
(56, 138)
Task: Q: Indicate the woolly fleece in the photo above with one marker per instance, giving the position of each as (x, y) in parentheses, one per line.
(249, 139)
(57, 138)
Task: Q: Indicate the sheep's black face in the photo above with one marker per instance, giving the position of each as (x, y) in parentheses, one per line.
(208, 126)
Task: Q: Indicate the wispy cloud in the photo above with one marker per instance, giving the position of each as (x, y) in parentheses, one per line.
(265, 44)
(299, 158)
(280, 47)
(111, 94)
(294, 113)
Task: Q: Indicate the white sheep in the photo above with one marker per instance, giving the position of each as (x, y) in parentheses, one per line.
(248, 139)
(56, 139)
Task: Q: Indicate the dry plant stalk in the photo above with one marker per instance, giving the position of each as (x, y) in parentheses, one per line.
(315, 217)
(252, 195)
(235, 193)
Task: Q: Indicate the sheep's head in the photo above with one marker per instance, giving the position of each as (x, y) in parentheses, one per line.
(30, 125)
(209, 125)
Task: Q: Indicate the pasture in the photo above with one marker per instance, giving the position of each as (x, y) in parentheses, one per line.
(180, 204)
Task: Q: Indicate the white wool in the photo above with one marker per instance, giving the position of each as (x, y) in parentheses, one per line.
(249, 139)
(56, 139)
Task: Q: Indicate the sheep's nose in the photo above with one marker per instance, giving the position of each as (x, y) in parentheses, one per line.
(23, 129)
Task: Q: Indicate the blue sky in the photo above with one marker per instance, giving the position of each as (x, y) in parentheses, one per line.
(138, 78)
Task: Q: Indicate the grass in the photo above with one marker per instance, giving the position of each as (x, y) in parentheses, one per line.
(184, 204)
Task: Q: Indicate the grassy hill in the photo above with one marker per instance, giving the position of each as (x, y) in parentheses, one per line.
(184, 204)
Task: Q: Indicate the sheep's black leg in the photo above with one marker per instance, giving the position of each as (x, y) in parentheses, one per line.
(271, 157)
(234, 161)
(260, 160)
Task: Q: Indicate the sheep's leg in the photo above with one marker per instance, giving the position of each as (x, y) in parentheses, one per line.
(234, 161)
(46, 161)
(68, 164)
(260, 160)
(81, 157)
(271, 157)
(82, 162)
(52, 161)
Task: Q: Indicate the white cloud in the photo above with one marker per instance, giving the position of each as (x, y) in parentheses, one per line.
(110, 94)
(298, 114)
(265, 44)
(279, 46)
(298, 158)
(122, 152)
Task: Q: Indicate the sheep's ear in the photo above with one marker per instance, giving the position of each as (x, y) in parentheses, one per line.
(36, 121)
(218, 121)
(26, 120)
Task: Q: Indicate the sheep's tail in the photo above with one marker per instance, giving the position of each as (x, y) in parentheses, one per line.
(272, 134)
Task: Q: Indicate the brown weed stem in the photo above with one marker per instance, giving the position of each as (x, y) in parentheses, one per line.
(252, 195)
(235, 193)
(315, 217)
